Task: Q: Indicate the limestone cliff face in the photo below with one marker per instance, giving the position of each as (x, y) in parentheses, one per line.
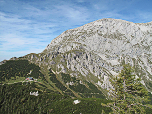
(96, 51)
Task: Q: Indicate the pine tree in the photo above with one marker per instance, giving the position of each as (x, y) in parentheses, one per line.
(127, 93)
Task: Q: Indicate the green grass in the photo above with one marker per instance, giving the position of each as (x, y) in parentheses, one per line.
(19, 79)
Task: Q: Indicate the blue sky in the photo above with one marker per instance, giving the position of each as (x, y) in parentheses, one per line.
(28, 26)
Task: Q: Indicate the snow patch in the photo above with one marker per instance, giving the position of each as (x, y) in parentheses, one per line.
(76, 101)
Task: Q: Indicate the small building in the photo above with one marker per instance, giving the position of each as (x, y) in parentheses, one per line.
(34, 93)
(76, 101)
(30, 78)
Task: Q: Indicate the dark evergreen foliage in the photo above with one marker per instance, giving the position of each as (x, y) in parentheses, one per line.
(19, 68)
(58, 84)
(81, 88)
(66, 77)
(15, 98)
(128, 92)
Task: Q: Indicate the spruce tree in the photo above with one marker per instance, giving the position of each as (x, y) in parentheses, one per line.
(127, 93)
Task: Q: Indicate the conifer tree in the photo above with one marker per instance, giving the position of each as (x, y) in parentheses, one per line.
(127, 93)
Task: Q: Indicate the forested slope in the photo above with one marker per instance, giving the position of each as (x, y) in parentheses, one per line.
(16, 98)
(14, 69)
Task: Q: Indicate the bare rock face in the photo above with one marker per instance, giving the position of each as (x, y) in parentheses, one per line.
(13, 58)
(3, 62)
(52, 62)
(98, 49)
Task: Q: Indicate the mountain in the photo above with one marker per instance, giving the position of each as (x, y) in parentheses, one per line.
(77, 64)
(97, 50)
(88, 56)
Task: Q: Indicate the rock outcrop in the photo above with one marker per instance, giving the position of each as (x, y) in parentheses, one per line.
(96, 51)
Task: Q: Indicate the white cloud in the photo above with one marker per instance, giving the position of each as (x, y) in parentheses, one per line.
(73, 13)
(18, 34)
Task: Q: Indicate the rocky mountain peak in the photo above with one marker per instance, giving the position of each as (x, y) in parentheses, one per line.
(110, 43)
(105, 31)
(96, 51)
